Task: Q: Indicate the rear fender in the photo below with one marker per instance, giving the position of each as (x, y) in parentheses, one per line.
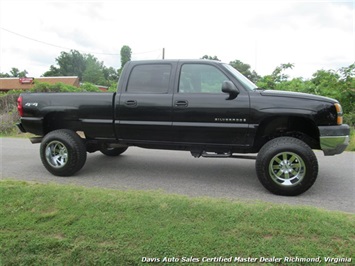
(61, 119)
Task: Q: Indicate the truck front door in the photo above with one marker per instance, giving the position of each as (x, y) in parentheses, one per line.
(201, 112)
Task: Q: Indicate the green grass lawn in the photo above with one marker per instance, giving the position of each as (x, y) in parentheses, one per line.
(68, 225)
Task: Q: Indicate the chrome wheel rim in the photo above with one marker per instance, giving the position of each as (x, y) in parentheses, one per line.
(56, 154)
(287, 169)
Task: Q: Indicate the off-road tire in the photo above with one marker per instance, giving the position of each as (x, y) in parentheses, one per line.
(286, 166)
(63, 152)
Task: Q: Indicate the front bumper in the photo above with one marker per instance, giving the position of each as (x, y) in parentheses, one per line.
(334, 139)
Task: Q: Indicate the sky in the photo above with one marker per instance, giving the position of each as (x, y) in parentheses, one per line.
(312, 35)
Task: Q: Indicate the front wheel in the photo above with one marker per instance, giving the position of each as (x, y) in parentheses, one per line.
(286, 166)
(63, 152)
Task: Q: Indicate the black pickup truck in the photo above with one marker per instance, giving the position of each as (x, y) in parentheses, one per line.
(205, 107)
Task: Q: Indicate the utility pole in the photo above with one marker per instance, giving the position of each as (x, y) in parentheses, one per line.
(163, 53)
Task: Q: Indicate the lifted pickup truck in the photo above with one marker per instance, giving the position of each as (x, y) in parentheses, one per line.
(205, 107)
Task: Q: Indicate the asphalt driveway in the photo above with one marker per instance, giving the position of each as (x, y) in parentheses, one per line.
(179, 173)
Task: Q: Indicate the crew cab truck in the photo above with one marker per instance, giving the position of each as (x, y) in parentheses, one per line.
(205, 107)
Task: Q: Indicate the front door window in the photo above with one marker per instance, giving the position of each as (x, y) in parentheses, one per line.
(200, 78)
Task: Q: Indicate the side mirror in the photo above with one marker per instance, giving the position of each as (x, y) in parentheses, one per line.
(231, 89)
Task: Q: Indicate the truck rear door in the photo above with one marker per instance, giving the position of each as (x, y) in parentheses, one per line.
(143, 110)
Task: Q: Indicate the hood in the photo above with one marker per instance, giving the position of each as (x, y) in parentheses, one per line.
(300, 95)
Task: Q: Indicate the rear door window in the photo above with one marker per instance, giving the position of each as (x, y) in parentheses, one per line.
(149, 79)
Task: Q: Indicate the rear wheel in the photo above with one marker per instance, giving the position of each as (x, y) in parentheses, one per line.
(112, 152)
(286, 166)
(63, 152)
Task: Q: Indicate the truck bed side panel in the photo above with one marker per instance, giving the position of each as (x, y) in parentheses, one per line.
(88, 112)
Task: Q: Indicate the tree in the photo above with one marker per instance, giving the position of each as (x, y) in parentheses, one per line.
(4, 75)
(93, 71)
(208, 57)
(277, 76)
(70, 64)
(339, 85)
(52, 72)
(347, 79)
(86, 66)
(347, 74)
(245, 70)
(126, 53)
(111, 74)
(15, 72)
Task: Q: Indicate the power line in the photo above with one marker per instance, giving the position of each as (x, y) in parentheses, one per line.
(29, 38)
(66, 48)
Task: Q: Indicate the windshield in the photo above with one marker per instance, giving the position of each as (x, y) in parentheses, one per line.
(241, 78)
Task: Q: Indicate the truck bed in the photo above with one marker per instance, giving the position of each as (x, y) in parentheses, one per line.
(88, 112)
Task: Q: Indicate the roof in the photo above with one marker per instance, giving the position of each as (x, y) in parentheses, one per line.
(167, 61)
(7, 84)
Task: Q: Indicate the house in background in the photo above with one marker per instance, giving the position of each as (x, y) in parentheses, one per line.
(7, 84)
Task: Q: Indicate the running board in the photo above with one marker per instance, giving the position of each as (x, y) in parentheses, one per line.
(222, 155)
(216, 155)
(249, 157)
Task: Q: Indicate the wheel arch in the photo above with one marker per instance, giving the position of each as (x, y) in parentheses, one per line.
(293, 126)
(60, 120)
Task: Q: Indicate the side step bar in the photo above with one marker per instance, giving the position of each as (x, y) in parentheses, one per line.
(221, 155)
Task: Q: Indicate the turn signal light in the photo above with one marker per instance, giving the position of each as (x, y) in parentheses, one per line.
(339, 113)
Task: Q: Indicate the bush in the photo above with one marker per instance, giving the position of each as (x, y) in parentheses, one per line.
(350, 119)
(8, 101)
(61, 87)
(57, 87)
(89, 87)
(8, 122)
(113, 87)
(8, 113)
